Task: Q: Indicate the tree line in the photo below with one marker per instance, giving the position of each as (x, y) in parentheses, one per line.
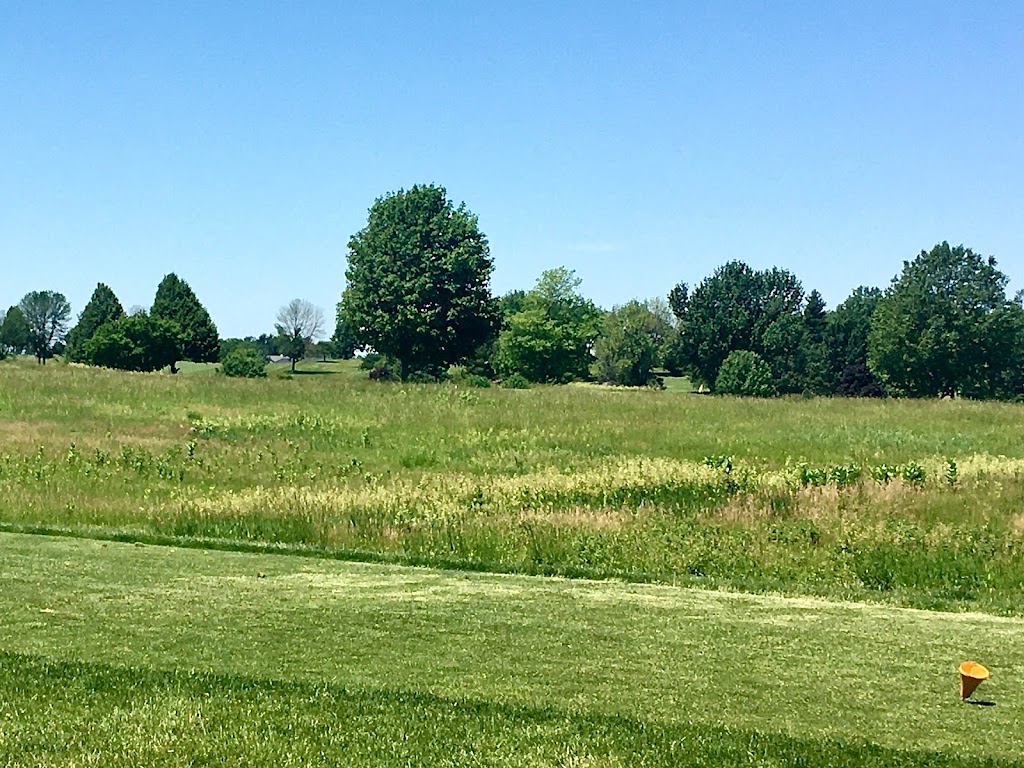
(417, 292)
(176, 328)
(418, 299)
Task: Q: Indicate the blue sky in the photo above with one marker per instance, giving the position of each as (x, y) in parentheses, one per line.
(641, 144)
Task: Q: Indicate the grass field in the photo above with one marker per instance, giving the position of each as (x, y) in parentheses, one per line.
(915, 503)
(850, 554)
(114, 653)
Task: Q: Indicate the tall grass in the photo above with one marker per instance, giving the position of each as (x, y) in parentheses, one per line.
(917, 502)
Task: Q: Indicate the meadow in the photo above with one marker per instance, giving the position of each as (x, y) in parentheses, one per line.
(321, 569)
(918, 503)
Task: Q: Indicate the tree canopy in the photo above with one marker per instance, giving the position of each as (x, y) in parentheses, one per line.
(46, 313)
(176, 301)
(847, 329)
(745, 373)
(628, 348)
(419, 281)
(102, 308)
(418, 300)
(551, 337)
(15, 335)
(944, 326)
(135, 343)
(344, 340)
(732, 310)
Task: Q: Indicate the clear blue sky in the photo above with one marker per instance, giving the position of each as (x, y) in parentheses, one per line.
(639, 143)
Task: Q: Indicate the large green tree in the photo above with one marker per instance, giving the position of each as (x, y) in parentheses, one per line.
(745, 373)
(137, 342)
(817, 373)
(847, 329)
(731, 310)
(15, 335)
(944, 326)
(176, 301)
(785, 345)
(47, 314)
(511, 303)
(102, 308)
(1007, 382)
(998, 371)
(344, 342)
(419, 281)
(551, 338)
(628, 347)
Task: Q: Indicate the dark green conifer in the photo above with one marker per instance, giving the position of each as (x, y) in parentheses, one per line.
(102, 308)
(175, 301)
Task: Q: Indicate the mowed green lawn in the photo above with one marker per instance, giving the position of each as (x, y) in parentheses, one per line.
(114, 654)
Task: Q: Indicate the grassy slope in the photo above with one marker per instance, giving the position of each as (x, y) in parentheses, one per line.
(558, 425)
(570, 480)
(554, 669)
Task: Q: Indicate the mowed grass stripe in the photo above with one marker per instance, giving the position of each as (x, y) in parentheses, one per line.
(63, 714)
(805, 669)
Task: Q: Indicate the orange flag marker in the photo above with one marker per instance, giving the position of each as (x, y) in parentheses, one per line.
(971, 676)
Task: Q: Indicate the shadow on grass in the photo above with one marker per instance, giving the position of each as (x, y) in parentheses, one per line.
(64, 718)
(982, 703)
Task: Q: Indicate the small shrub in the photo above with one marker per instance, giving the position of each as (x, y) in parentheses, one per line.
(464, 377)
(515, 381)
(745, 373)
(479, 363)
(811, 475)
(723, 463)
(370, 360)
(857, 380)
(244, 363)
(883, 473)
(913, 473)
(381, 372)
(427, 375)
(952, 473)
(845, 474)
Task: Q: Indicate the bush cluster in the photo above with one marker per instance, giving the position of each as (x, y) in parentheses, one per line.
(244, 363)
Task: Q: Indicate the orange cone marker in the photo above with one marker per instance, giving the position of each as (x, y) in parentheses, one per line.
(971, 676)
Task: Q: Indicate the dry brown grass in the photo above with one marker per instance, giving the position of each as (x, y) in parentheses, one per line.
(583, 518)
